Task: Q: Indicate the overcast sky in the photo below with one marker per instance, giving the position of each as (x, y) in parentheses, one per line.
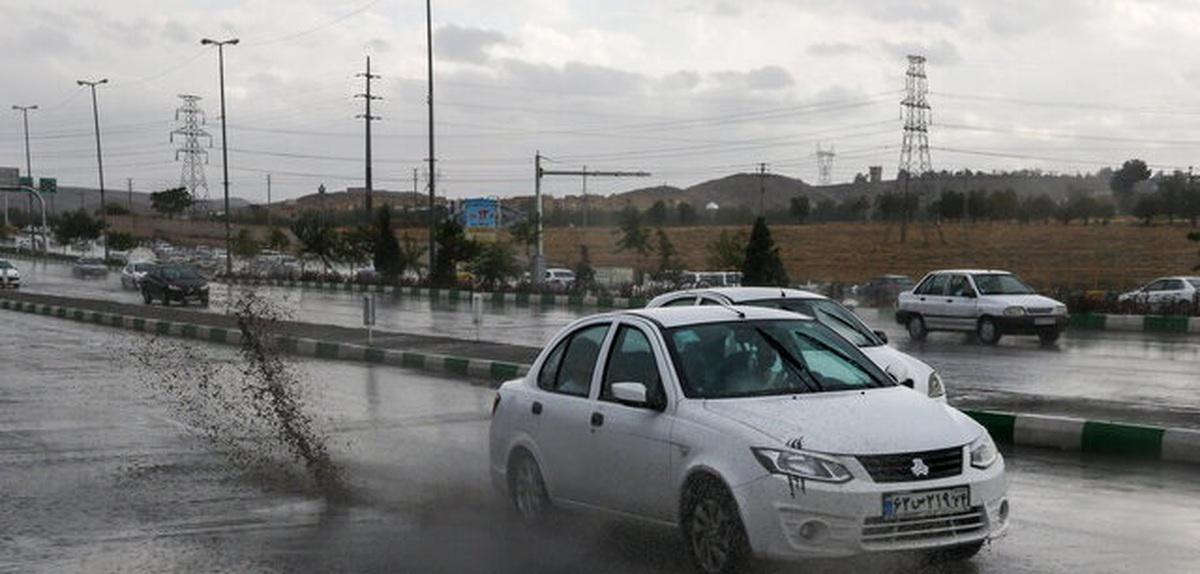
(686, 89)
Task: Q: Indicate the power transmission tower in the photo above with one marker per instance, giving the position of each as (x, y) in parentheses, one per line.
(193, 154)
(367, 119)
(917, 117)
(824, 165)
(762, 189)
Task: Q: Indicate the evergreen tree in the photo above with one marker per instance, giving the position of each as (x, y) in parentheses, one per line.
(387, 248)
(762, 266)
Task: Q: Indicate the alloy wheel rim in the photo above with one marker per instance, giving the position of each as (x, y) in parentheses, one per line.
(529, 500)
(915, 327)
(711, 535)
(987, 330)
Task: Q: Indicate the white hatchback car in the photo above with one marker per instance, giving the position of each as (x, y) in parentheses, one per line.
(987, 302)
(10, 276)
(909, 370)
(133, 273)
(1166, 295)
(758, 432)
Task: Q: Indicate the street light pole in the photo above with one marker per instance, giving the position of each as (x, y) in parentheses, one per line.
(224, 145)
(432, 173)
(99, 155)
(28, 164)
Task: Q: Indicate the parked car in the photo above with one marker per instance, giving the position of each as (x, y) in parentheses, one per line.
(132, 273)
(883, 290)
(907, 369)
(167, 283)
(1166, 295)
(560, 278)
(757, 432)
(990, 303)
(85, 267)
(10, 276)
(703, 279)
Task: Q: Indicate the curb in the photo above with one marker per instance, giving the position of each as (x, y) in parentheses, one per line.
(521, 299)
(1092, 437)
(495, 371)
(1062, 433)
(1143, 323)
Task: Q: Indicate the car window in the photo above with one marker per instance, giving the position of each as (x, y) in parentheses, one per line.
(829, 313)
(936, 285)
(1195, 282)
(754, 358)
(631, 360)
(1155, 285)
(680, 302)
(1172, 285)
(5, 265)
(549, 372)
(959, 287)
(709, 302)
(1000, 284)
(573, 371)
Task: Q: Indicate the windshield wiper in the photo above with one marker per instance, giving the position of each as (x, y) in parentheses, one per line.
(797, 365)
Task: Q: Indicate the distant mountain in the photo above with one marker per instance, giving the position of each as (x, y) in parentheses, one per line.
(73, 198)
(742, 189)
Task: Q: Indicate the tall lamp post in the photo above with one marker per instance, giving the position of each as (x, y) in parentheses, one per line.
(28, 164)
(220, 44)
(99, 156)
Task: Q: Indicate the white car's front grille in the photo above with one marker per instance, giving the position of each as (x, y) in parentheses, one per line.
(882, 531)
(1039, 310)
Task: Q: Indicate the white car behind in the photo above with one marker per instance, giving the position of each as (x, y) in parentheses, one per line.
(909, 370)
(1166, 295)
(988, 302)
(10, 276)
(757, 432)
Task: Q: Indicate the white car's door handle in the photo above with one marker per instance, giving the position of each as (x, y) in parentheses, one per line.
(536, 408)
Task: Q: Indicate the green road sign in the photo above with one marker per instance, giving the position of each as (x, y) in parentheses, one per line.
(26, 181)
(48, 185)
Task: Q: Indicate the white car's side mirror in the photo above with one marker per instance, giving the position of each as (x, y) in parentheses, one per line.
(899, 372)
(631, 393)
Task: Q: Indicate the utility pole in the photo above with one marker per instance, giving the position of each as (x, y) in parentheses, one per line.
(194, 155)
(585, 197)
(268, 200)
(416, 189)
(432, 193)
(367, 119)
(762, 189)
(129, 201)
(28, 162)
(224, 145)
(824, 165)
(917, 117)
(539, 258)
(99, 156)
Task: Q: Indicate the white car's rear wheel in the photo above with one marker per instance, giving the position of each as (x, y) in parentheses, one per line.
(713, 529)
(916, 328)
(527, 489)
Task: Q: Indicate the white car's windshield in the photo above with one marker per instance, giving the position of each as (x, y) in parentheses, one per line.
(829, 313)
(1000, 284)
(755, 358)
(5, 265)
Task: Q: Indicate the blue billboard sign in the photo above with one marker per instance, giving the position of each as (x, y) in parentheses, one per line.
(482, 212)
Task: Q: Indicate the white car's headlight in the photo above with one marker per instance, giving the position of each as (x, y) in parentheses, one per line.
(804, 465)
(936, 388)
(1060, 309)
(983, 451)
(1014, 311)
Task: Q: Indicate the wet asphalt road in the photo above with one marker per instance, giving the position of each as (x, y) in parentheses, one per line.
(1090, 374)
(97, 476)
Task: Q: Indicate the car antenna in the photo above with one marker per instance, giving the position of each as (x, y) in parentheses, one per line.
(741, 314)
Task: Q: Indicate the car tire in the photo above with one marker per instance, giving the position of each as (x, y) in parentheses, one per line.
(204, 302)
(146, 297)
(712, 529)
(1049, 336)
(1184, 308)
(166, 298)
(527, 489)
(960, 553)
(987, 331)
(916, 328)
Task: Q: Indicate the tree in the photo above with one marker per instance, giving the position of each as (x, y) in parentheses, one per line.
(1003, 205)
(585, 274)
(668, 261)
(410, 255)
(121, 241)
(526, 232)
(1123, 181)
(977, 205)
(1036, 208)
(634, 236)
(245, 245)
(171, 202)
(657, 214)
(115, 209)
(317, 237)
(494, 263)
(1146, 208)
(1173, 195)
(799, 208)
(453, 247)
(687, 215)
(951, 205)
(728, 251)
(77, 226)
(1195, 236)
(278, 240)
(762, 266)
(387, 248)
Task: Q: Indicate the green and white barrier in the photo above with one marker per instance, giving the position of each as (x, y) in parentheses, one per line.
(1098, 437)
(1141, 323)
(521, 299)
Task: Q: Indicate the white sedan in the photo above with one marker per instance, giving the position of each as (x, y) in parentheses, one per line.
(909, 370)
(10, 276)
(133, 273)
(1166, 295)
(757, 432)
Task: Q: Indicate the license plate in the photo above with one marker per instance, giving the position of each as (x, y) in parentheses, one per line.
(927, 502)
(1043, 321)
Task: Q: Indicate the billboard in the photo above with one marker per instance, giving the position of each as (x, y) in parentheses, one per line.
(10, 177)
(481, 213)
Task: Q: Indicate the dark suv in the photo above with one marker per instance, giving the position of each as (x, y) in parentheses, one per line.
(169, 283)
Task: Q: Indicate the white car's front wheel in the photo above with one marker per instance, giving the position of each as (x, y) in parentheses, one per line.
(527, 489)
(712, 529)
(916, 328)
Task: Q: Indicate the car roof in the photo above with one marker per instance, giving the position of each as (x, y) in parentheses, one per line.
(971, 271)
(670, 317)
(744, 294)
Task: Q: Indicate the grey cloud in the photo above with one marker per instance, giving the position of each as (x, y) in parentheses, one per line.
(833, 49)
(464, 44)
(941, 52)
(764, 78)
(571, 77)
(378, 45)
(680, 81)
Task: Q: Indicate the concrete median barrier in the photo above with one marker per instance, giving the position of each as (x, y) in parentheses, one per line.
(1093, 437)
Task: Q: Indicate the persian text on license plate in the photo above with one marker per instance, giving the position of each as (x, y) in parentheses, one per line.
(927, 502)
(1044, 321)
